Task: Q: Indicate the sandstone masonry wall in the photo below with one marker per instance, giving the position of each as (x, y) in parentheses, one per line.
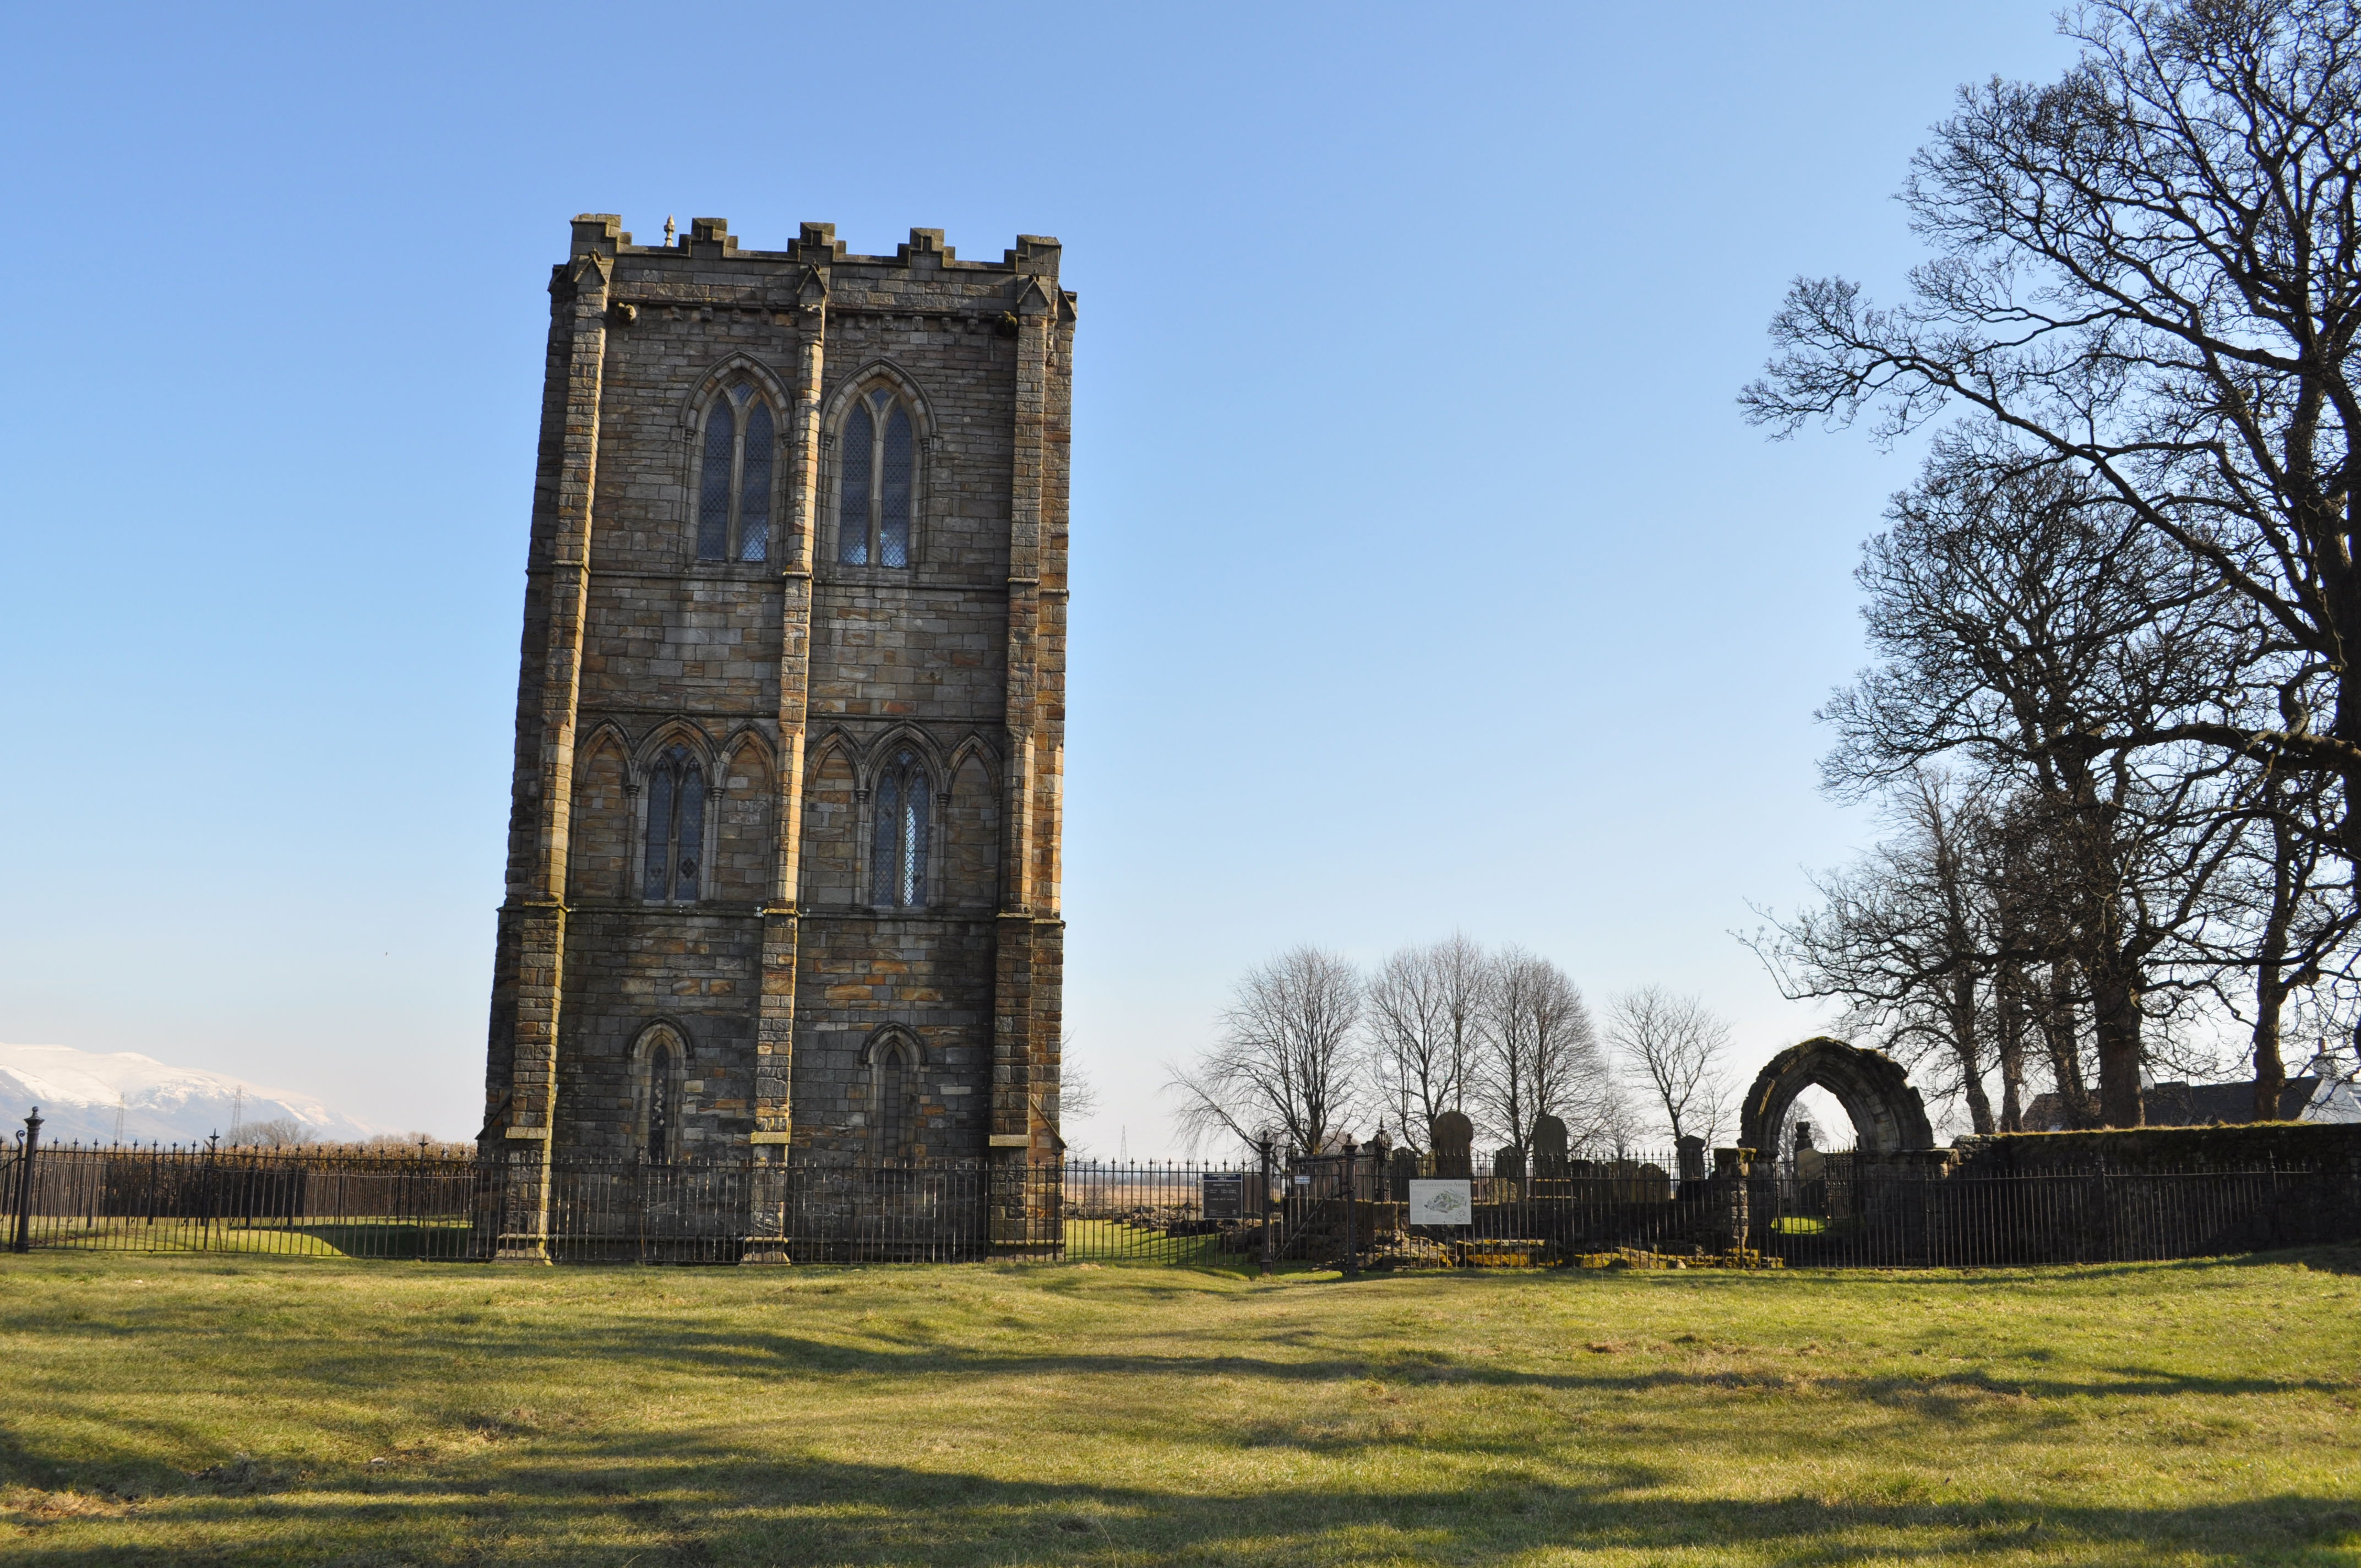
(789, 683)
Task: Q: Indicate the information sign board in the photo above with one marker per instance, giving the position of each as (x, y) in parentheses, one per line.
(1224, 1195)
(1442, 1202)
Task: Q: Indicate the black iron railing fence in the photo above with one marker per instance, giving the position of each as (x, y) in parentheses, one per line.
(1839, 1210)
(1354, 1210)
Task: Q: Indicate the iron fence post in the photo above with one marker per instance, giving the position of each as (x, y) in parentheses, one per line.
(1266, 1208)
(205, 1186)
(24, 1238)
(1352, 1162)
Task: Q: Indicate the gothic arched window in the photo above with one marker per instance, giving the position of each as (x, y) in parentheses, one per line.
(878, 478)
(733, 490)
(675, 825)
(897, 866)
(893, 1101)
(657, 1143)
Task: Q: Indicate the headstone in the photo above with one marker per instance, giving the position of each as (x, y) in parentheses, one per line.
(1692, 1153)
(1400, 1171)
(1549, 1147)
(1810, 1164)
(1509, 1164)
(1454, 1137)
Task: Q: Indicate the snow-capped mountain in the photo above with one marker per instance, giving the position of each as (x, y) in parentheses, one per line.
(84, 1096)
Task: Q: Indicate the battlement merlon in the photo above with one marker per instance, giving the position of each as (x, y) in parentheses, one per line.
(603, 235)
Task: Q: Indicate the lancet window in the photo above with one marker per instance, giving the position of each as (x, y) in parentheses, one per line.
(675, 827)
(899, 854)
(656, 1147)
(876, 481)
(733, 491)
(893, 1101)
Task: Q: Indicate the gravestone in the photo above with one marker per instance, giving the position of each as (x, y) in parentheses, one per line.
(1692, 1153)
(1454, 1137)
(1400, 1170)
(1509, 1164)
(1549, 1147)
(1809, 1162)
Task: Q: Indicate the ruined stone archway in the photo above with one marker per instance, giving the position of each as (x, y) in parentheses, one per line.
(1887, 1114)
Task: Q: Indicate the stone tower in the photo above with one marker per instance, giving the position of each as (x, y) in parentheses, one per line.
(784, 838)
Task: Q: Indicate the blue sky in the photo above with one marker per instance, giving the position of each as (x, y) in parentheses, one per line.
(1425, 575)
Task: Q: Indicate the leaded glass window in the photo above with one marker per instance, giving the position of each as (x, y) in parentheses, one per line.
(894, 493)
(876, 498)
(893, 1103)
(659, 1138)
(713, 493)
(754, 487)
(853, 512)
(733, 490)
(899, 851)
(675, 827)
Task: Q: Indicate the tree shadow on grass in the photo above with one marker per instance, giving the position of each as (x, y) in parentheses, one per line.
(655, 1498)
(2343, 1259)
(1290, 1356)
(1284, 1356)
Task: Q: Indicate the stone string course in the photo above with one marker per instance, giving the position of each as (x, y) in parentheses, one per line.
(789, 680)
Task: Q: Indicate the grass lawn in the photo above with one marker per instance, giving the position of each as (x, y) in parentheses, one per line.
(299, 1410)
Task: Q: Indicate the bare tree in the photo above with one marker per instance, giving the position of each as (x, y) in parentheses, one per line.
(2294, 924)
(1540, 1054)
(1071, 1096)
(279, 1132)
(1284, 1065)
(1672, 1049)
(1424, 1022)
(2150, 272)
(1078, 1091)
(2031, 627)
(1904, 937)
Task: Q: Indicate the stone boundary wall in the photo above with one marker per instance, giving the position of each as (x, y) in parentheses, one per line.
(2162, 1150)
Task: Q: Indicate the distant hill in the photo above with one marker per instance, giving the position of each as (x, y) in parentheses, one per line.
(83, 1095)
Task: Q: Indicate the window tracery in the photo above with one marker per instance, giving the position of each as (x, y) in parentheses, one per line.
(898, 849)
(733, 493)
(877, 482)
(676, 836)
